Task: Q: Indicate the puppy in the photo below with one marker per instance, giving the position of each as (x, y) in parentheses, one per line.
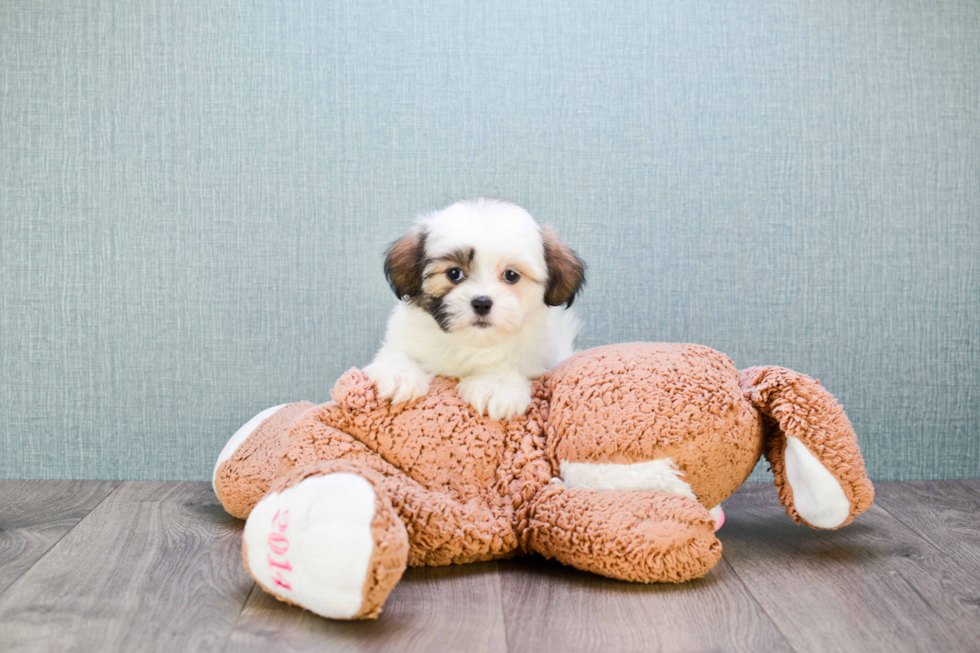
(483, 296)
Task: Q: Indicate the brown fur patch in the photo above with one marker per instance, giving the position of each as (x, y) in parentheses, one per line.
(521, 269)
(437, 286)
(435, 281)
(459, 258)
(405, 264)
(566, 271)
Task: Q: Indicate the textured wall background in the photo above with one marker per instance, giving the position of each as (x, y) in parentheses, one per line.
(194, 198)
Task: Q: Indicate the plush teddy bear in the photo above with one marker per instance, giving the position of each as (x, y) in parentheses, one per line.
(618, 467)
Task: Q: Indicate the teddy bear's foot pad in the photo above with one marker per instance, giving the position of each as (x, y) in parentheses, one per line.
(321, 543)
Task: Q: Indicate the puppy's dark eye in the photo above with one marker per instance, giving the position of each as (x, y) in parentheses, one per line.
(511, 277)
(454, 274)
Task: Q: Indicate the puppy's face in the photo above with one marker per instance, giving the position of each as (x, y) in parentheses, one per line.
(482, 269)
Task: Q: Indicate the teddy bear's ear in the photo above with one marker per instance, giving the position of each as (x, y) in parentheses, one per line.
(356, 391)
(811, 447)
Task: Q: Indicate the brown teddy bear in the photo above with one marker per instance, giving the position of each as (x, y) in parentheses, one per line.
(618, 467)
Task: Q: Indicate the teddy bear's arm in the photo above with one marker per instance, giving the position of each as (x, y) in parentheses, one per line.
(810, 446)
(636, 536)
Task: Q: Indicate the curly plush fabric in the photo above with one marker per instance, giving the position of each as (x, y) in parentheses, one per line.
(451, 474)
(656, 434)
(244, 477)
(641, 401)
(794, 405)
(631, 536)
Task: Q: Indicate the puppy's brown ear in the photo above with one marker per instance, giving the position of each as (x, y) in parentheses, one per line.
(566, 271)
(405, 263)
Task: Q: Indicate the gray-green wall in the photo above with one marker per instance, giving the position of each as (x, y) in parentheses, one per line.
(194, 198)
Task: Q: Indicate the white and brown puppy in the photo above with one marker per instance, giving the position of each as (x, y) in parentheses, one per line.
(483, 296)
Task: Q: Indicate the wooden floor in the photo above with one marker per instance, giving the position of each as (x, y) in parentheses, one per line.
(107, 566)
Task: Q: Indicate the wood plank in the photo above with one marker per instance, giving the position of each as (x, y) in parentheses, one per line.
(454, 608)
(872, 586)
(946, 513)
(156, 566)
(36, 514)
(549, 607)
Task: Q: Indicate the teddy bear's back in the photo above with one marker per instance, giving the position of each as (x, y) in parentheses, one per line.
(642, 402)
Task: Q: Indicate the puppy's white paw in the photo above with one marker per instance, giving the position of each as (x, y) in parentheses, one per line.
(498, 397)
(398, 378)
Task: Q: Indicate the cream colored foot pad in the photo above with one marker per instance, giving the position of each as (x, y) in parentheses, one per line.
(311, 544)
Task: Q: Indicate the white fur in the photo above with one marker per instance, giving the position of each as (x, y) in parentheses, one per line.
(659, 475)
(499, 394)
(398, 377)
(818, 497)
(495, 364)
(329, 542)
(240, 436)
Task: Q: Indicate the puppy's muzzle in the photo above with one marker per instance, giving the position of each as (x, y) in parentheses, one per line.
(482, 305)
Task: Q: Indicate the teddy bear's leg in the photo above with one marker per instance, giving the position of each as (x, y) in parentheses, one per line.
(326, 537)
(810, 446)
(441, 529)
(638, 536)
(247, 463)
(444, 531)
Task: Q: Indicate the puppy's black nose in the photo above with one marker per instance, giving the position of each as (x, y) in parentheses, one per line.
(481, 305)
